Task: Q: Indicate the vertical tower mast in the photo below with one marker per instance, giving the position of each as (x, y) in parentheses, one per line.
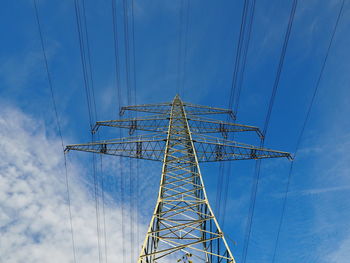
(183, 221)
(183, 227)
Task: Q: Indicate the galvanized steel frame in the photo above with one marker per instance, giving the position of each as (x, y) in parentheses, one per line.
(183, 222)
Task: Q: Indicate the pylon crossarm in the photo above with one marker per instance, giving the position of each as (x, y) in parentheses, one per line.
(195, 109)
(208, 125)
(165, 108)
(211, 149)
(141, 147)
(160, 108)
(153, 123)
(160, 122)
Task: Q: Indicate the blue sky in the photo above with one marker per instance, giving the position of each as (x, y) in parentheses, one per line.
(316, 224)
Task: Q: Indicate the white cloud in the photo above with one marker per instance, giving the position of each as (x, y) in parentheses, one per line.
(34, 219)
(341, 254)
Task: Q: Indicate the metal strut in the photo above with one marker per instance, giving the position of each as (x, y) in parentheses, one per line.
(183, 226)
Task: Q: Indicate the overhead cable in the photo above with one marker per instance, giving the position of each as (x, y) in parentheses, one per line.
(246, 45)
(266, 125)
(187, 14)
(129, 102)
(116, 53)
(135, 170)
(103, 208)
(126, 48)
(179, 54)
(248, 13)
(85, 61)
(238, 53)
(307, 117)
(231, 98)
(85, 56)
(121, 182)
(53, 100)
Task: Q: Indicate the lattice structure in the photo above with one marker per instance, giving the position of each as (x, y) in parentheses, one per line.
(183, 227)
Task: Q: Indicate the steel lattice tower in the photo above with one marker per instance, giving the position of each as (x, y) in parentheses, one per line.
(183, 227)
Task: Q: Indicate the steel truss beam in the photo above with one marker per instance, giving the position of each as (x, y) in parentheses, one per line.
(209, 149)
(183, 223)
(165, 108)
(158, 123)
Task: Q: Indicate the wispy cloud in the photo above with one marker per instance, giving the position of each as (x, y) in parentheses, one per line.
(316, 191)
(34, 221)
(341, 254)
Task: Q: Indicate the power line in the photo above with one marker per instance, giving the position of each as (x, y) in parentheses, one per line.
(226, 185)
(179, 46)
(133, 47)
(185, 48)
(280, 67)
(134, 194)
(57, 123)
(236, 98)
(129, 101)
(126, 48)
(131, 210)
(103, 208)
(266, 125)
(97, 207)
(219, 189)
(83, 60)
(231, 97)
(85, 55)
(307, 117)
(121, 189)
(120, 182)
(238, 53)
(182, 45)
(89, 60)
(248, 13)
(116, 53)
(135, 169)
(137, 203)
(244, 60)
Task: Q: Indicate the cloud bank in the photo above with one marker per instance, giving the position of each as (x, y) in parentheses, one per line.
(34, 218)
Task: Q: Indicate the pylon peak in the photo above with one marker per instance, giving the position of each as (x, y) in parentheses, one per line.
(177, 97)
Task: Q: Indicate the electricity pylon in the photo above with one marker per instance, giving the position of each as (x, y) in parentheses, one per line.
(183, 227)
